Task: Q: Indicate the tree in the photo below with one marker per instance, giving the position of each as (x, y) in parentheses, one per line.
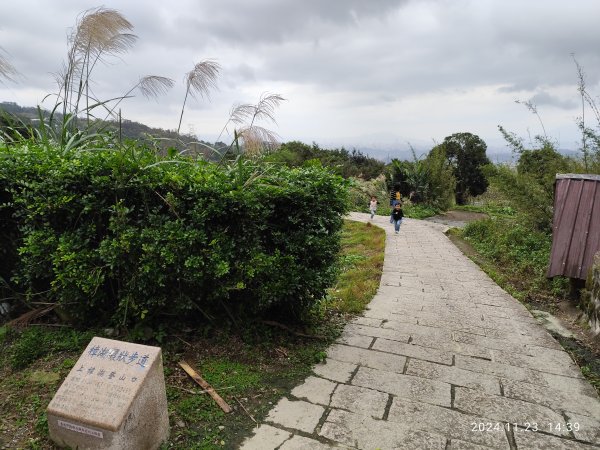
(442, 184)
(466, 154)
(543, 164)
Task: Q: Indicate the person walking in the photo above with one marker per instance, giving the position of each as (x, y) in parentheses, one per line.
(397, 215)
(395, 196)
(373, 206)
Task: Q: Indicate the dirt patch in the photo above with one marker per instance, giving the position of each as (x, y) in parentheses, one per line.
(457, 218)
(463, 216)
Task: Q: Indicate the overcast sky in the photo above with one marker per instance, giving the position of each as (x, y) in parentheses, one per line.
(358, 73)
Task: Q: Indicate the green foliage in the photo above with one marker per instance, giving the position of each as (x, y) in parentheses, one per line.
(543, 164)
(341, 161)
(35, 342)
(430, 181)
(442, 183)
(123, 237)
(533, 199)
(512, 245)
(361, 191)
(419, 211)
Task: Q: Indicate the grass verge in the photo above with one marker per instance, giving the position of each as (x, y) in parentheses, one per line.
(251, 365)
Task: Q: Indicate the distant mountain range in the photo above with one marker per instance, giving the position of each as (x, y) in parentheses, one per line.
(496, 156)
(136, 130)
(129, 128)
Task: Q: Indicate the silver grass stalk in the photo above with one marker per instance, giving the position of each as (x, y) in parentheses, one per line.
(7, 70)
(98, 33)
(200, 80)
(151, 86)
(248, 113)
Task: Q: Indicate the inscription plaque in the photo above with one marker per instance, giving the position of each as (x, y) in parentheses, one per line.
(113, 398)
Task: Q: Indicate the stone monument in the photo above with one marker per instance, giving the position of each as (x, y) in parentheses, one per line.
(113, 398)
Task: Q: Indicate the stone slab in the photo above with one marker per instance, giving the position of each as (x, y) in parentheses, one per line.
(315, 390)
(369, 321)
(378, 332)
(499, 370)
(297, 415)
(335, 370)
(537, 441)
(457, 444)
(556, 362)
(452, 347)
(551, 398)
(358, 431)
(450, 423)
(265, 437)
(414, 351)
(113, 398)
(405, 386)
(448, 349)
(360, 400)
(507, 410)
(303, 443)
(587, 429)
(454, 375)
(355, 340)
(368, 358)
(412, 329)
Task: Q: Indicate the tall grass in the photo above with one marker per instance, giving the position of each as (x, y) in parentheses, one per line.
(75, 121)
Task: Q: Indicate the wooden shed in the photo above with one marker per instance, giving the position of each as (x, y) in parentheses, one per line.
(576, 225)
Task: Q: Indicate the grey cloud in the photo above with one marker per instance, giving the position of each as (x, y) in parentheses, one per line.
(543, 98)
(252, 24)
(351, 52)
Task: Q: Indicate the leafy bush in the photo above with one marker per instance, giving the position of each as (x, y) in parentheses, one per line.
(419, 211)
(122, 237)
(361, 191)
(534, 200)
(430, 181)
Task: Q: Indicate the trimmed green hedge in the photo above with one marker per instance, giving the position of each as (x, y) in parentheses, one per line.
(121, 238)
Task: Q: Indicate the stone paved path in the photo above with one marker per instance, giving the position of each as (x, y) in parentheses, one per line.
(442, 359)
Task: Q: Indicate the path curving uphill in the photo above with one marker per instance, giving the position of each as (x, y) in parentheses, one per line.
(442, 358)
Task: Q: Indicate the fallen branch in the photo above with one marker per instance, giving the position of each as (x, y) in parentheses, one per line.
(245, 410)
(28, 317)
(202, 391)
(286, 328)
(207, 387)
(185, 342)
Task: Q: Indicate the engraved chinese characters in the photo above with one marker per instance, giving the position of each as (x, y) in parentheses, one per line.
(112, 398)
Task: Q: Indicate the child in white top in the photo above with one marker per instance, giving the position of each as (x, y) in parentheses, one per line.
(373, 206)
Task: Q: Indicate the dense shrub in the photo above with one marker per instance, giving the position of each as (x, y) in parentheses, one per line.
(119, 237)
(533, 200)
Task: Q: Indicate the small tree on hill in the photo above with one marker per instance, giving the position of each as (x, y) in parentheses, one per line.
(466, 154)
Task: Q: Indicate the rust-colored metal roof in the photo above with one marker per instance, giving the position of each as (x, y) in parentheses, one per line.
(576, 225)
